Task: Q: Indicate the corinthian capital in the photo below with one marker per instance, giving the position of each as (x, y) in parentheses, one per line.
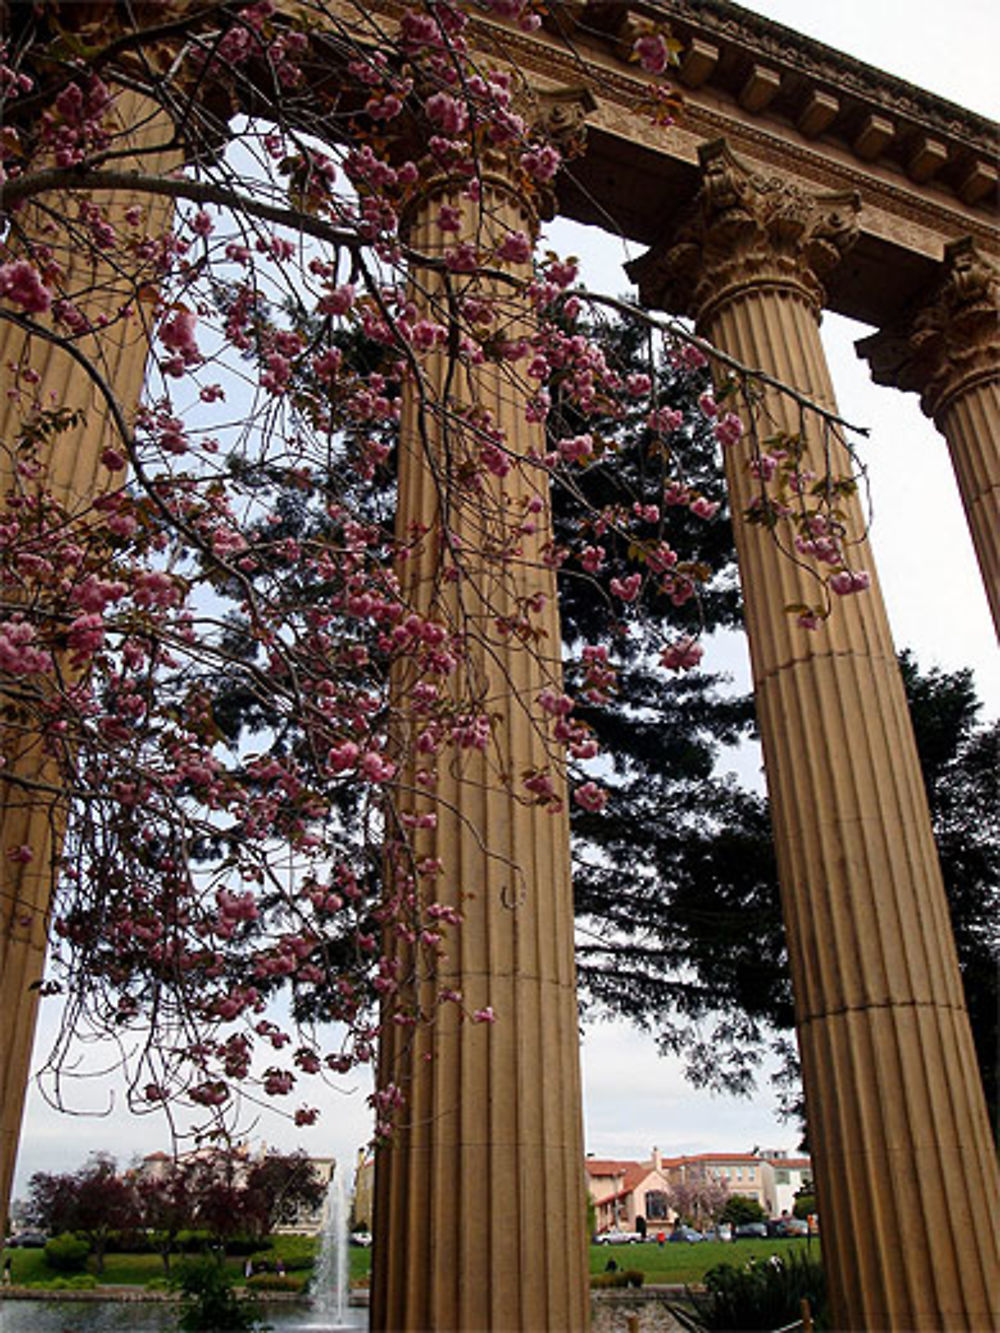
(745, 230)
(949, 339)
(545, 128)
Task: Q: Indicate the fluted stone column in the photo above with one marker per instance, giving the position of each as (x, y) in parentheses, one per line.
(906, 1174)
(33, 805)
(947, 349)
(479, 1192)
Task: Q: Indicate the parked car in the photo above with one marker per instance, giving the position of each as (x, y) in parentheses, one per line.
(686, 1234)
(722, 1232)
(750, 1231)
(615, 1237)
(362, 1238)
(28, 1240)
(791, 1226)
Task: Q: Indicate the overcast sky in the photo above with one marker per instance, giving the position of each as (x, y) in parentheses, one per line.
(633, 1099)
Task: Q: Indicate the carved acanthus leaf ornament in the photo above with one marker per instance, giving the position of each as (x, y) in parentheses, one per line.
(950, 340)
(746, 230)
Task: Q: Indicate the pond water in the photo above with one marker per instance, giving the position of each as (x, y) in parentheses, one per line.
(149, 1317)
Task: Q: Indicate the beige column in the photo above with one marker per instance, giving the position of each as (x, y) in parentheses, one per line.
(33, 804)
(947, 349)
(906, 1173)
(479, 1192)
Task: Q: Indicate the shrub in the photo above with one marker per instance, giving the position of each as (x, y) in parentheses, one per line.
(192, 1242)
(629, 1277)
(130, 1240)
(761, 1295)
(275, 1282)
(739, 1210)
(297, 1253)
(66, 1254)
(242, 1246)
(296, 1259)
(212, 1306)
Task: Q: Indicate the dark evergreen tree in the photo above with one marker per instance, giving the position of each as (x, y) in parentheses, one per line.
(960, 759)
(678, 913)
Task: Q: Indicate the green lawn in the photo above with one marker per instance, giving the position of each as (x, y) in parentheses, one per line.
(127, 1270)
(669, 1264)
(688, 1263)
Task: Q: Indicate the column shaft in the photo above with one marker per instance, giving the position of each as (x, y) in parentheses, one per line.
(946, 347)
(905, 1170)
(479, 1193)
(33, 806)
(970, 422)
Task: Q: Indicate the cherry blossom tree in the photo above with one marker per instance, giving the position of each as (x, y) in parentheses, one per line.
(230, 187)
(699, 1198)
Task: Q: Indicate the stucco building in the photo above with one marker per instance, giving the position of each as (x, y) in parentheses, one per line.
(624, 1191)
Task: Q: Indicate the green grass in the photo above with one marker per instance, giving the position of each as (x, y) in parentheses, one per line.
(671, 1264)
(678, 1263)
(120, 1270)
(130, 1270)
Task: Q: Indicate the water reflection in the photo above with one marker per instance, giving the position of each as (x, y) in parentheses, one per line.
(149, 1317)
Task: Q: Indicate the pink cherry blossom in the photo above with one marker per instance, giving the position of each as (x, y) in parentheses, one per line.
(847, 581)
(682, 655)
(704, 508)
(515, 248)
(178, 335)
(591, 797)
(21, 283)
(728, 429)
(652, 52)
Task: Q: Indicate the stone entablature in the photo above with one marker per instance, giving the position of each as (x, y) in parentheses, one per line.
(766, 67)
(926, 172)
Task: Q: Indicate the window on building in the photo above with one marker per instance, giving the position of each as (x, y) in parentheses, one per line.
(656, 1206)
(782, 1177)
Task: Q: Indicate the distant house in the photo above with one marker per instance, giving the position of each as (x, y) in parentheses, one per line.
(744, 1174)
(791, 1174)
(364, 1181)
(623, 1192)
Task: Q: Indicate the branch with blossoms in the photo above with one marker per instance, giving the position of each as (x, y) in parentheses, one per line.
(197, 638)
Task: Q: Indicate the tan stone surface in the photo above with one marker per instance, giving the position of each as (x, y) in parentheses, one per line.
(970, 423)
(32, 807)
(479, 1195)
(905, 1171)
(946, 347)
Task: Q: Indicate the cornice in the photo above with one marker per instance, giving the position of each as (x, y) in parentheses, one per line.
(621, 90)
(825, 64)
(822, 170)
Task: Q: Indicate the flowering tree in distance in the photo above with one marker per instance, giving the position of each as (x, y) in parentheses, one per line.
(231, 189)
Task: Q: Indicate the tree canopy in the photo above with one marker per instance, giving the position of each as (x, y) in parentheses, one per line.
(203, 605)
